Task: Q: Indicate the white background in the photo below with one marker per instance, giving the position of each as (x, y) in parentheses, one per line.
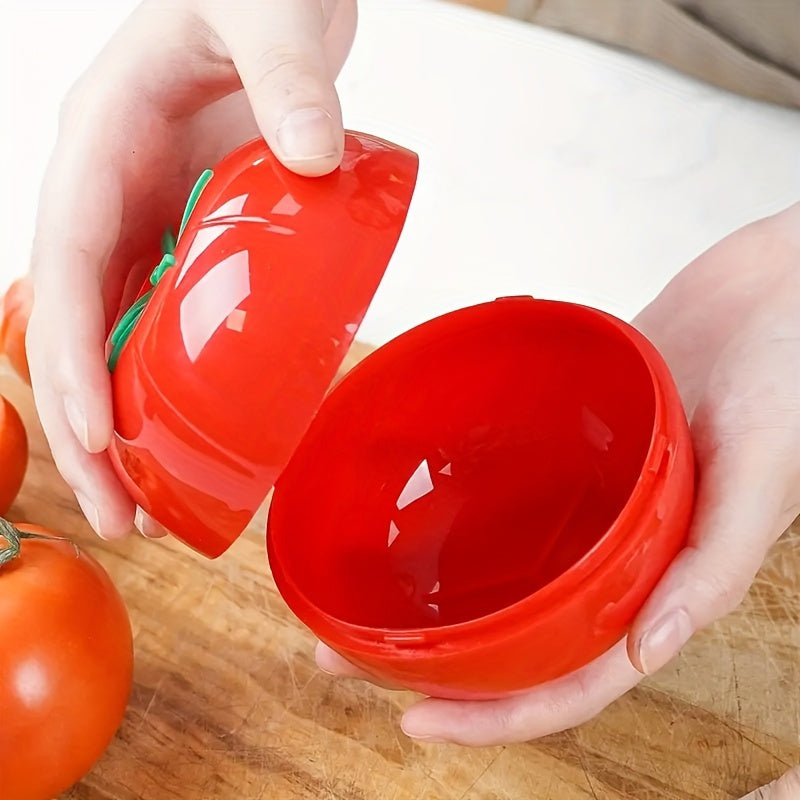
(549, 166)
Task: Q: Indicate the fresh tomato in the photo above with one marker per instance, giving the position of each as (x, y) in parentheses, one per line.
(16, 312)
(66, 660)
(13, 454)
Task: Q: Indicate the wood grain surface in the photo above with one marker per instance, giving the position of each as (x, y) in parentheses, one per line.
(497, 6)
(227, 701)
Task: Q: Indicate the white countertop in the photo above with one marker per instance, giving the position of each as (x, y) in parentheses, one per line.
(549, 166)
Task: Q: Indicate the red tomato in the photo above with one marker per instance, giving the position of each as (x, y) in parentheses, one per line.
(16, 312)
(13, 454)
(66, 663)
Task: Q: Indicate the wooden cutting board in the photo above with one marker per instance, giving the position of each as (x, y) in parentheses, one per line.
(228, 704)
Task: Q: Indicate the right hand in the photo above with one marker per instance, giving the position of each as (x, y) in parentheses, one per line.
(178, 86)
(785, 788)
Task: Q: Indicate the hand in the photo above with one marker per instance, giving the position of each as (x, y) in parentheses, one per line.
(161, 103)
(785, 788)
(729, 328)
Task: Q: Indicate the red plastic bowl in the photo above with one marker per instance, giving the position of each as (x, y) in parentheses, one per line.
(486, 502)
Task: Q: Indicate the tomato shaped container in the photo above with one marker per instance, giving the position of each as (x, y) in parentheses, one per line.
(486, 502)
(481, 505)
(250, 318)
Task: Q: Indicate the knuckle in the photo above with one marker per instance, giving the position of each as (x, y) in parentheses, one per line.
(338, 8)
(90, 100)
(509, 724)
(725, 593)
(200, 20)
(517, 722)
(283, 68)
(736, 409)
(576, 703)
(67, 109)
(46, 361)
(62, 454)
(74, 103)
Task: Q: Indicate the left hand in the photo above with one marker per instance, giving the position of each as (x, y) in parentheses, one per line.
(729, 327)
(179, 85)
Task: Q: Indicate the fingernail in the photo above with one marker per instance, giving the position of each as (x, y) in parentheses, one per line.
(77, 420)
(307, 134)
(320, 656)
(664, 639)
(414, 731)
(147, 526)
(90, 512)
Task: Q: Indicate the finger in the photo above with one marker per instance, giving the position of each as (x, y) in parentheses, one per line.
(109, 114)
(147, 526)
(785, 788)
(66, 336)
(739, 514)
(67, 330)
(77, 229)
(66, 333)
(331, 662)
(550, 708)
(279, 53)
(103, 500)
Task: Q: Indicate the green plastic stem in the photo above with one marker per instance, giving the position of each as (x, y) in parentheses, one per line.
(124, 328)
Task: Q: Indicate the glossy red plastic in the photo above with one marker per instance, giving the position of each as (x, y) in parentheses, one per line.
(241, 338)
(486, 502)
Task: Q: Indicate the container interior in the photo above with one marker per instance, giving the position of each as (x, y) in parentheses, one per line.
(464, 465)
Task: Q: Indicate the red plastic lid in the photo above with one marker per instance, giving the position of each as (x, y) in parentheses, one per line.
(217, 380)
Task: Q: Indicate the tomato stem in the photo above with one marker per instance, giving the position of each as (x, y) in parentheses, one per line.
(14, 537)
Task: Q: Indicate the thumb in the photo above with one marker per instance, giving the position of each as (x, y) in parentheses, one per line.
(740, 513)
(279, 52)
